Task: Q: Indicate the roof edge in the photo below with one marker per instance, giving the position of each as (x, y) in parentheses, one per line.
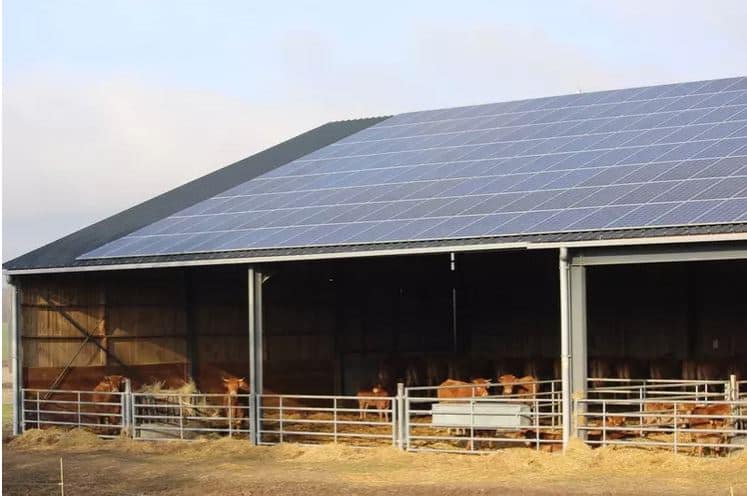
(465, 246)
(63, 251)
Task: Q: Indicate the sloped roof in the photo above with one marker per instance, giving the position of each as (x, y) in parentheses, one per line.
(64, 251)
(668, 160)
(654, 157)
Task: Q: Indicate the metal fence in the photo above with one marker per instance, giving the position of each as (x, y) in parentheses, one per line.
(363, 421)
(103, 413)
(712, 426)
(641, 389)
(683, 416)
(169, 415)
(474, 424)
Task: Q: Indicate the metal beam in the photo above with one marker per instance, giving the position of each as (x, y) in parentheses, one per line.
(573, 340)
(659, 254)
(16, 355)
(254, 302)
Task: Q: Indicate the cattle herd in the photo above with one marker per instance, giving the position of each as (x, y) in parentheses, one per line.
(706, 420)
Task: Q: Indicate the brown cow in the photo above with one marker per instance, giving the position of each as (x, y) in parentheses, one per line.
(374, 398)
(233, 410)
(525, 386)
(477, 388)
(710, 417)
(108, 414)
(662, 413)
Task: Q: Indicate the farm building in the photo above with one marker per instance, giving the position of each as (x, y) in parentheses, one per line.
(575, 240)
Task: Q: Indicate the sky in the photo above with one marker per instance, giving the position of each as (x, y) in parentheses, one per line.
(107, 104)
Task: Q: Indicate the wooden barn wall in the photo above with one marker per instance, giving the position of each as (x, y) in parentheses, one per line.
(677, 311)
(145, 319)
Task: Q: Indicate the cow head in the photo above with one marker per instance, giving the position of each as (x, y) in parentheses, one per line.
(115, 382)
(233, 384)
(508, 381)
(482, 386)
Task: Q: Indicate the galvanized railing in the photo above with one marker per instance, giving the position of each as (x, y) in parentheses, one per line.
(104, 413)
(169, 415)
(680, 425)
(313, 419)
(476, 424)
(641, 389)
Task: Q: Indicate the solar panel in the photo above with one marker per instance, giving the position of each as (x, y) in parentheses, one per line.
(641, 157)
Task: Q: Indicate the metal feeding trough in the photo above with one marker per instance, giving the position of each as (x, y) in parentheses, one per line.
(481, 415)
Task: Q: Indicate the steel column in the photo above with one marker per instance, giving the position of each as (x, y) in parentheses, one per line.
(16, 355)
(573, 342)
(579, 360)
(565, 340)
(254, 302)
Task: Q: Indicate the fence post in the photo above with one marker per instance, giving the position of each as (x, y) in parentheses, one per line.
(406, 420)
(733, 388)
(133, 422)
(400, 407)
(38, 412)
(676, 428)
(334, 419)
(181, 416)
(604, 422)
(77, 404)
(229, 407)
(125, 410)
(280, 416)
(23, 411)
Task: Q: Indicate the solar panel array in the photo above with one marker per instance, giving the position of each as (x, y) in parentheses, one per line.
(671, 155)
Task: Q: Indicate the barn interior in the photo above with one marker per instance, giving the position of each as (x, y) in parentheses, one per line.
(336, 326)
(684, 320)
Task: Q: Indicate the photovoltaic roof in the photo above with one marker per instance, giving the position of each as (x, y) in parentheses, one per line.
(659, 156)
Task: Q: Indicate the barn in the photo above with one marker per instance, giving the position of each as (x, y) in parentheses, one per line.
(595, 243)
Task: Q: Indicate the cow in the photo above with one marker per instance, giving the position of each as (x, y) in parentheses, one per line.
(662, 413)
(708, 417)
(234, 411)
(477, 388)
(102, 397)
(376, 397)
(525, 386)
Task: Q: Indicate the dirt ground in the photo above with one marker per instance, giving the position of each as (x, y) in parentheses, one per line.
(232, 467)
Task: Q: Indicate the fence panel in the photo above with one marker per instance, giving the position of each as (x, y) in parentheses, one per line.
(100, 412)
(169, 415)
(475, 424)
(363, 421)
(683, 426)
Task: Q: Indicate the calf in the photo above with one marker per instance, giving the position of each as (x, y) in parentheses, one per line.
(102, 395)
(525, 386)
(374, 398)
(234, 411)
(710, 417)
(477, 388)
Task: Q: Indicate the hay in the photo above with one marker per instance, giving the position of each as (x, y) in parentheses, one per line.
(55, 437)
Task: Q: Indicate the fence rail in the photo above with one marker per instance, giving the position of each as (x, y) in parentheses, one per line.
(475, 424)
(169, 415)
(680, 425)
(311, 419)
(100, 412)
(682, 416)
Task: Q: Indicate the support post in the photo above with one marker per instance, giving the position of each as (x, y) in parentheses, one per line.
(16, 356)
(573, 341)
(255, 279)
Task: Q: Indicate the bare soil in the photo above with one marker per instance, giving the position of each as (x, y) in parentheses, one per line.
(232, 467)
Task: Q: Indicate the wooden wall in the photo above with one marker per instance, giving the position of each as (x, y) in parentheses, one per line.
(146, 320)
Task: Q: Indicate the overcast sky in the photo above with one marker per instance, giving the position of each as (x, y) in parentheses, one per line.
(108, 103)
